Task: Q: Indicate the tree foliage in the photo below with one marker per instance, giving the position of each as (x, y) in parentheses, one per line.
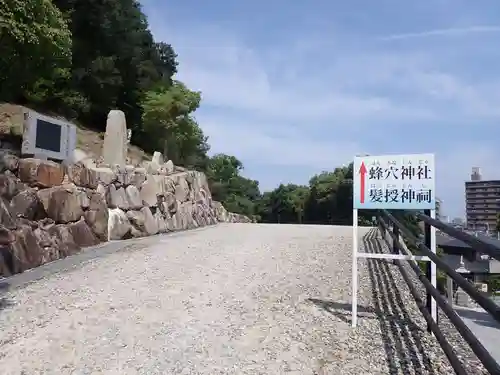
(35, 46)
(326, 200)
(169, 125)
(115, 58)
(238, 194)
(493, 282)
(82, 58)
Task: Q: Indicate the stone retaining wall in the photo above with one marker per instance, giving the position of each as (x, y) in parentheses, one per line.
(53, 211)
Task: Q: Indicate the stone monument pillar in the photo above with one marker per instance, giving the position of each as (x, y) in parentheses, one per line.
(114, 151)
(462, 298)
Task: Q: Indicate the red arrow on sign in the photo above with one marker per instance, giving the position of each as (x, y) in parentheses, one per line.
(362, 173)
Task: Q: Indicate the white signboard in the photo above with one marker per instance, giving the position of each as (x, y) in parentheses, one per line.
(397, 182)
(394, 182)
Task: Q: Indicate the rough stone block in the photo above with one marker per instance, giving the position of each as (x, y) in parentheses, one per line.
(64, 205)
(118, 224)
(90, 177)
(82, 234)
(133, 197)
(117, 198)
(41, 173)
(26, 204)
(150, 223)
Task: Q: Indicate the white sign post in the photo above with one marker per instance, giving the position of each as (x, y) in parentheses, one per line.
(392, 182)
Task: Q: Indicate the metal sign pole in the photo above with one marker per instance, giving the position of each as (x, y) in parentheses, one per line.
(433, 268)
(354, 317)
(431, 271)
(428, 267)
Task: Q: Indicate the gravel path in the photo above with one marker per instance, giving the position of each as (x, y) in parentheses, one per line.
(232, 299)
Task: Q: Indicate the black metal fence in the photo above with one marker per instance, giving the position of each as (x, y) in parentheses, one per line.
(389, 224)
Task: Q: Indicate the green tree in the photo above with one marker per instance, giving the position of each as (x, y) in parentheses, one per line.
(299, 198)
(35, 46)
(237, 193)
(326, 200)
(330, 198)
(285, 204)
(224, 167)
(165, 65)
(81, 58)
(493, 284)
(115, 59)
(169, 125)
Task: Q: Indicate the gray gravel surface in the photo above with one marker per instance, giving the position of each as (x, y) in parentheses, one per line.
(232, 299)
(407, 322)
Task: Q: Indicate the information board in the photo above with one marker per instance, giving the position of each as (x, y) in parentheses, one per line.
(396, 182)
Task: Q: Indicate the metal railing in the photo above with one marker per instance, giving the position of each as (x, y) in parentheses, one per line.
(398, 232)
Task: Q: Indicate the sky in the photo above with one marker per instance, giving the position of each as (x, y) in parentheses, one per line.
(293, 88)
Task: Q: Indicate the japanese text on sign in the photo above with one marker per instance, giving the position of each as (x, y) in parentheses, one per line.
(394, 182)
(408, 172)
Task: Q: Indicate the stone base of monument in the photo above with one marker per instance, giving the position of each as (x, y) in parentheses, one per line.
(462, 298)
(54, 210)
